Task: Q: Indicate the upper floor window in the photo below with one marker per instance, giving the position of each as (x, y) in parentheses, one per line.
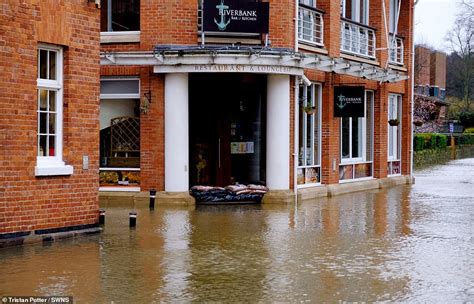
(310, 23)
(393, 15)
(355, 10)
(120, 15)
(50, 112)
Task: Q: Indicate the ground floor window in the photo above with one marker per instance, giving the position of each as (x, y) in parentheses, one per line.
(394, 134)
(120, 132)
(357, 143)
(309, 135)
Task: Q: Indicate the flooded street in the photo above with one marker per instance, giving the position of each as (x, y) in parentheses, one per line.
(405, 244)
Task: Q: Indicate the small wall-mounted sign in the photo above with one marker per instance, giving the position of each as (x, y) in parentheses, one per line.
(235, 16)
(349, 101)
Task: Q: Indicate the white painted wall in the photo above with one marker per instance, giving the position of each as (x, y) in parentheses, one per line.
(111, 108)
(176, 132)
(278, 132)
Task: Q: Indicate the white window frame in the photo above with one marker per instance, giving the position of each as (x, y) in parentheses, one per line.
(356, 12)
(121, 95)
(394, 131)
(316, 101)
(52, 165)
(117, 36)
(350, 159)
(360, 160)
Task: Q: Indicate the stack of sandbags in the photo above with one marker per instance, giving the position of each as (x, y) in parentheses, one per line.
(232, 193)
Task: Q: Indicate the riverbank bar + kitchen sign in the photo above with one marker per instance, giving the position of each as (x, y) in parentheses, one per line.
(349, 101)
(235, 16)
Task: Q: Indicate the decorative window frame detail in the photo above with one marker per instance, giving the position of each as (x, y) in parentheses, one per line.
(394, 132)
(354, 166)
(52, 165)
(315, 120)
(316, 24)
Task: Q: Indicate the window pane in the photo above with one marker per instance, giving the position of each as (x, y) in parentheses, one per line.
(52, 65)
(125, 86)
(356, 137)
(43, 64)
(317, 126)
(345, 137)
(301, 138)
(52, 145)
(125, 15)
(43, 122)
(43, 102)
(369, 122)
(52, 123)
(42, 145)
(52, 101)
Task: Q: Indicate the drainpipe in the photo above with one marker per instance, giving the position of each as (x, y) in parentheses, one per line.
(296, 25)
(295, 134)
(412, 87)
(296, 124)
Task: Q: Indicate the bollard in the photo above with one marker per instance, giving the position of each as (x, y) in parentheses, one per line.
(152, 198)
(101, 217)
(133, 219)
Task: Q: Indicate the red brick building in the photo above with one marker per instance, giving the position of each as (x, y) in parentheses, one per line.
(235, 102)
(49, 90)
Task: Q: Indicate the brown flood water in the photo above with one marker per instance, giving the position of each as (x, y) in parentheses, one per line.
(405, 244)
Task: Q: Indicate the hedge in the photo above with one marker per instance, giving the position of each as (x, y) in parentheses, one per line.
(425, 141)
(465, 139)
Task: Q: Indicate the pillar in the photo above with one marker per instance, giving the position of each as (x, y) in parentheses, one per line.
(278, 132)
(176, 133)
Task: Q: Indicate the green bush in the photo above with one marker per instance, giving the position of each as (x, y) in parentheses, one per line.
(469, 130)
(426, 141)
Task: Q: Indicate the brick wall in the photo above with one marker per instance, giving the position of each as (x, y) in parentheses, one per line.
(422, 65)
(438, 69)
(28, 202)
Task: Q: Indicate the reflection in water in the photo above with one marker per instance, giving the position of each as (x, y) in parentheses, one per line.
(406, 244)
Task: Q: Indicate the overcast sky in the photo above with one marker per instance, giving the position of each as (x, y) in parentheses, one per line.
(433, 19)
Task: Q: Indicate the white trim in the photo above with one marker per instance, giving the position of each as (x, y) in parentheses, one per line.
(304, 186)
(168, 61)
(120, 37)
(353, 180)
(52, 171)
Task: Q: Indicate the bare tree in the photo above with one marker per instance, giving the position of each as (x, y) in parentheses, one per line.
(461, 40)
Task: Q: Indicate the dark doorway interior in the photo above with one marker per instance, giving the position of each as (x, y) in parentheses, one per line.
(227, 128)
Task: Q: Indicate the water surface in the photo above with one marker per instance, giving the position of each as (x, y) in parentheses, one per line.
(406, 244)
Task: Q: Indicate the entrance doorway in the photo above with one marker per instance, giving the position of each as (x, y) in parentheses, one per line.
(227, 128)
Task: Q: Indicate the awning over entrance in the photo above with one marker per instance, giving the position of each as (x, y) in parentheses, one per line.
(246, 59)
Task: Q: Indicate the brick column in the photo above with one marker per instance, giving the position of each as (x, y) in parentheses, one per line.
(152, 133)
(380, 131)
(330, 135)
(406, 30)
(332, 26)
(376, 20)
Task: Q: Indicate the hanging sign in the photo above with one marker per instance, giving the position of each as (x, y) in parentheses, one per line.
(349, 101)
(235, 16)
